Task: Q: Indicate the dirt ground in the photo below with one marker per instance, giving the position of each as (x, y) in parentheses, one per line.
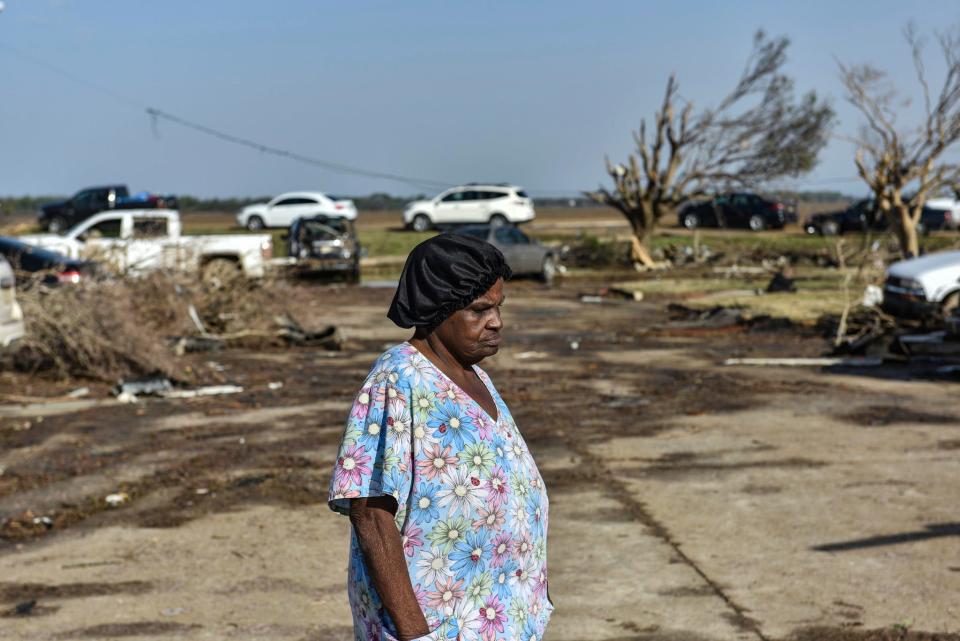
(689, 501)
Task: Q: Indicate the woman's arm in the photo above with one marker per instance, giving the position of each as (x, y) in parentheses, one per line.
(382, 548)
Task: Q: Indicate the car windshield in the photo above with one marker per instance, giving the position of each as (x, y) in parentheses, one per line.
(318, 229)
(476, 232)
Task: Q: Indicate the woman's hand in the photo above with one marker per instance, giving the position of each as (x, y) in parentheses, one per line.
(382, 548)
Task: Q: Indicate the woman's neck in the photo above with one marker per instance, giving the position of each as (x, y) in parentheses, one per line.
(434, 349)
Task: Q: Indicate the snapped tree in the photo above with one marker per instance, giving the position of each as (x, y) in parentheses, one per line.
(757, 133)
(904, 166)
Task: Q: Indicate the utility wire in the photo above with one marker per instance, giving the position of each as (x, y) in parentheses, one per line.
(159, 114)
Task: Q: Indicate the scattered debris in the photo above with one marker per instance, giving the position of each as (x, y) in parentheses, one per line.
(872, 296)
(523, 356)
(173, 612)
(23, 609)
(201, 491)
(828, 361)
(591, 299)
(210, 390)
(80, 392)
(149, 386)
(931, 344)
(126, 397)
(275, 385)
(574, 345)
(781, 282)
(117, 499)
(45, 521)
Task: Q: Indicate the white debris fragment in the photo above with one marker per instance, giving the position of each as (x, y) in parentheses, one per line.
(126, 397)
(275, 385)
(117, 499)
(80, 392)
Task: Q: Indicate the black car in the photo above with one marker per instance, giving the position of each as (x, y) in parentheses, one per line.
(57, 217)
(858, 217)
(31, 264)
(736, 210)
(325, 244)
(524, 255)
(861, 216)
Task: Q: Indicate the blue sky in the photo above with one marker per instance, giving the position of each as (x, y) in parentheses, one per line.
(534, 93)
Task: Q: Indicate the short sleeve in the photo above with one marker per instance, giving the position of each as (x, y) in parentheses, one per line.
(374, 457)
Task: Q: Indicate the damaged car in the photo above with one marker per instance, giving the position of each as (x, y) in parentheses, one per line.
(325, 245)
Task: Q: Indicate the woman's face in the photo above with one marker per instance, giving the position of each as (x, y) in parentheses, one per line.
(473, 333)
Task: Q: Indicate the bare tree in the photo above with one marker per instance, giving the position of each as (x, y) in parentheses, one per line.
(757, 133)
(903, 166)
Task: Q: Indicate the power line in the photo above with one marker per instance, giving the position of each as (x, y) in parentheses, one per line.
(156, 114)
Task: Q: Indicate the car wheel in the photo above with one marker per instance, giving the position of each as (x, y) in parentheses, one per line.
(690, 220)
(498, 220)
(221, 273)
(548, 270)
(949, 304)
(255, 223)
(757, 223)
(421, 222)
(830, 228)
(57, 225)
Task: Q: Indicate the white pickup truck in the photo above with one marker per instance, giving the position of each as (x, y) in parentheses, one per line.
(138, 241)
(923, 287)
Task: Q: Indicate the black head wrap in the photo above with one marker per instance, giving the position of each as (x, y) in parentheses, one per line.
(442, 275)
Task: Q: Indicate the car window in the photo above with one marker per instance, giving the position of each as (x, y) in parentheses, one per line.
(295, 201)
(454, 197)
(476, 232)
(519, 237)
(504, 236)
(739, 200)
(103, 229)
(150, 228)
(85, 199)
(521, 194)
(493, 195)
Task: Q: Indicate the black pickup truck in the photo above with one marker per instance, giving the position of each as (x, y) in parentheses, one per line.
(57, 217)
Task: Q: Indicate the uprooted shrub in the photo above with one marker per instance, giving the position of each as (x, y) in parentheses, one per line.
(89, 331)
(116, 329)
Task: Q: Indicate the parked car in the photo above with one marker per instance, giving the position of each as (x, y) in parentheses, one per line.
(858, 217)
(286, 208)
(11, 316)
(29, 262)
(736, 210)
(938, 214)
(56, 217)
(135, 242)
(524, 255)
(923, 287)
(325, 244)
(496, 204)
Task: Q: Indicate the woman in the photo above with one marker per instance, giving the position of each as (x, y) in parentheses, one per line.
(448, 509)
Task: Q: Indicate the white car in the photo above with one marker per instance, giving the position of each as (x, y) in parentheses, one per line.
(924, 286)
(286, 208)
(496, 204)
(138, 241)
(11, 317)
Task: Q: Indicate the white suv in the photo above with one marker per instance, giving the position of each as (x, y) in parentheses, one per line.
(495, 204)
(286, 208)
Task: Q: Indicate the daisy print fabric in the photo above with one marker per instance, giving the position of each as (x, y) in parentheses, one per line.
(472, 507)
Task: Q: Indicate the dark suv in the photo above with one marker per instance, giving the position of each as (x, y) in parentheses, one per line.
(736, 210)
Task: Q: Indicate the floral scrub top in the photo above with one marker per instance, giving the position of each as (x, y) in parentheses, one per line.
(472, 505)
